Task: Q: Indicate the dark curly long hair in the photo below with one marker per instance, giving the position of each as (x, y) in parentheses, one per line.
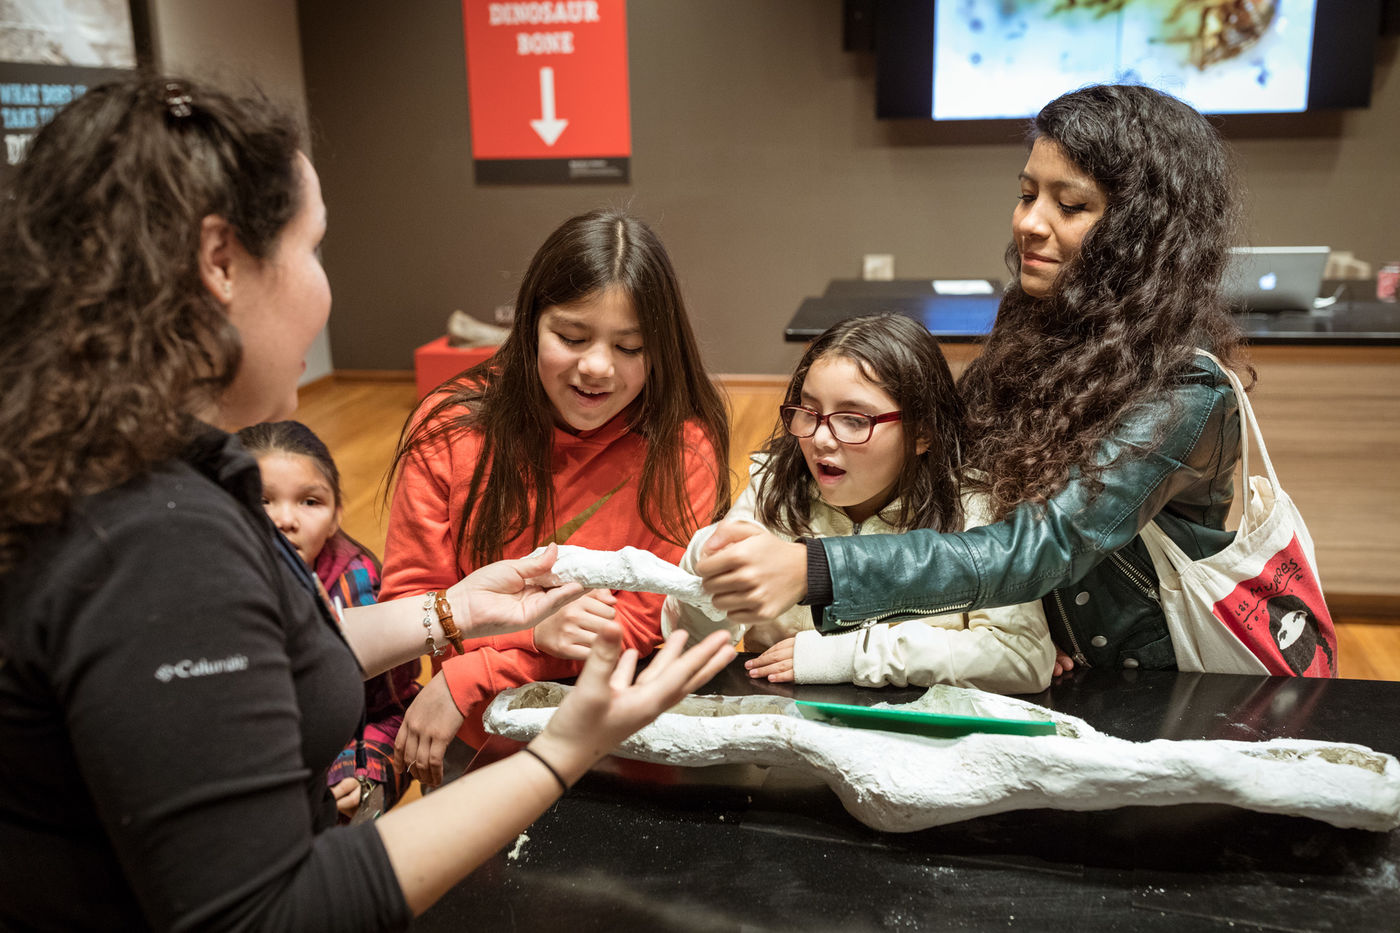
(512, 487)
(111, 338)
(900, 356)
(1124, 315)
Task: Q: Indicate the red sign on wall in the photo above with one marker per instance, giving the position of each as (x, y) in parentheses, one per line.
(547, 83)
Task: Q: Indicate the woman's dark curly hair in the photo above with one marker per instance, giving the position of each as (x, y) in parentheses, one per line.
(502, 399)
(1124, 316)
(900, 356)
(111, 338)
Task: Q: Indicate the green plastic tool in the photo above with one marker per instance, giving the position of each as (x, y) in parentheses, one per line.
(937, 725)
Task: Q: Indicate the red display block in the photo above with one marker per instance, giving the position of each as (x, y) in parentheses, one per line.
(434, 363)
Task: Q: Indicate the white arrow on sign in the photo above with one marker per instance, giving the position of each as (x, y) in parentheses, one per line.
(548, 126)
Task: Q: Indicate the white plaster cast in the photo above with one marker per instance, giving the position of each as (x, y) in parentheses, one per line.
(902, 783)
(631, 569)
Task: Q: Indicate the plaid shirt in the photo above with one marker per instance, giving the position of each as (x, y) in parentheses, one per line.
(350, 575)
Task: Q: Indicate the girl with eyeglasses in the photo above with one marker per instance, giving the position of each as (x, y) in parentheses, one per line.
(868, 443)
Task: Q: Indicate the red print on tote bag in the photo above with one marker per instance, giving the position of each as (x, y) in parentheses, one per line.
(1256, 606)
(1283, 618)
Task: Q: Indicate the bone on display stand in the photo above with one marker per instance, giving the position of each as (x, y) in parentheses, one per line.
(904, 783)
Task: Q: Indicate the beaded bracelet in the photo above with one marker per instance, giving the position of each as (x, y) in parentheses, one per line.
(429, 617)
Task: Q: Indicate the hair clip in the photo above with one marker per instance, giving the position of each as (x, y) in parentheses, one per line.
(178, 100)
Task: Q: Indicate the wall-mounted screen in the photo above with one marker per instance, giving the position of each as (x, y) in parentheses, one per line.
(52, 51)
(1004, 59)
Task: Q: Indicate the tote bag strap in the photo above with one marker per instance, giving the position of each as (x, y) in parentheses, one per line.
(1153, 535)
(1160, 542)
(1249, 427)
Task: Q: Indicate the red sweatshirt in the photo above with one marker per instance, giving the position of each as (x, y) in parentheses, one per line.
(600, 471)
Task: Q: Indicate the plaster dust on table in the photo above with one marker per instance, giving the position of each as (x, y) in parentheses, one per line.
(631, 569)
(902, 783)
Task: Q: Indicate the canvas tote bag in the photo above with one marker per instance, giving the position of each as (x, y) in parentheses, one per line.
(1257, 606)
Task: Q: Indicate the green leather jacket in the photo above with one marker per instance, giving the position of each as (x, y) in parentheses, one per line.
(1082, 557)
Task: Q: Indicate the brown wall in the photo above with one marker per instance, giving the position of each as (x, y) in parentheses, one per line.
(756, 156)
(231, 45)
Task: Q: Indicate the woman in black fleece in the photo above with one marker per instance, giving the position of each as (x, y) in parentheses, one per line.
(172, 689)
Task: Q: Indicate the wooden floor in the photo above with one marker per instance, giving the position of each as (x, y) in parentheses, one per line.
(360, 419)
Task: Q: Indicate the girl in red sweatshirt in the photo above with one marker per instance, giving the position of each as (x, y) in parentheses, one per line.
(595, 425)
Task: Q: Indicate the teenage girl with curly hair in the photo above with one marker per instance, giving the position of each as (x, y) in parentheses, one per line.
(1089, 412)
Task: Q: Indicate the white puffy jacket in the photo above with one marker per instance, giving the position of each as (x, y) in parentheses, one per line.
(1006, 650)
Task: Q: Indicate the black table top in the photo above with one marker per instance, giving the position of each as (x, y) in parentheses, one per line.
(740, 847)
(1355, 319)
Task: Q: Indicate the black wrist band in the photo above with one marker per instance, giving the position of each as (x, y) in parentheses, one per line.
(563, 787)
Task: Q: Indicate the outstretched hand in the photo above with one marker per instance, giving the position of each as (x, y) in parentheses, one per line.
(607, 704)
(429, 725)
(752, 574)
(500, 598)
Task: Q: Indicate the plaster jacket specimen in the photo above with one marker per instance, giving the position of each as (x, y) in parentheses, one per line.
(631, 569)
(902, 783)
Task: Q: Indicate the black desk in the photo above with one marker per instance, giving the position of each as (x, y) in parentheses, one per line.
(648, 847)
(1356, 318)
(890, 288)
(950, 318)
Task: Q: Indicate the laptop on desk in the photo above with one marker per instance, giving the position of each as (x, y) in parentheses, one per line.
(1274, 278)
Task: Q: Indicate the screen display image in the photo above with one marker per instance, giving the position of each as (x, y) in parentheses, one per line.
(51, 52)
(67, 32)
(1005, 58)
(989, 60)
